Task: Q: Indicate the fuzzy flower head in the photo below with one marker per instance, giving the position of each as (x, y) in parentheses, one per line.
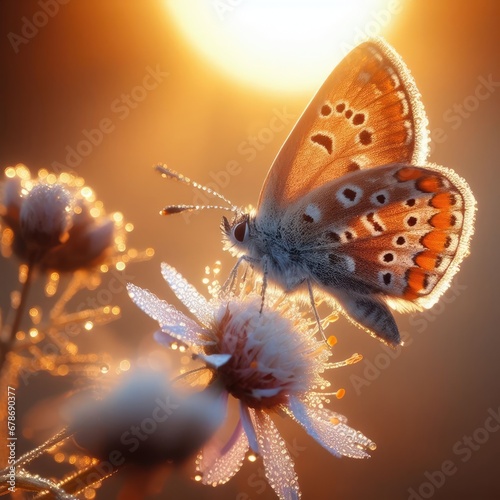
(270, 361)
(55, 222)
(45, 216)
(270, 358)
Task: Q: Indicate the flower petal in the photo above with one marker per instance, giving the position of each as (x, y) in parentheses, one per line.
(266, 393)
(188, 295)
(164, 338)
(248, 426)
(278, 463)
(330, 431)
(187, 331)
(215, 360)
(157, 309)
(183, 328)
(218, 465)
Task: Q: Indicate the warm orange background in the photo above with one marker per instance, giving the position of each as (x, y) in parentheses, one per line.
(441, 387)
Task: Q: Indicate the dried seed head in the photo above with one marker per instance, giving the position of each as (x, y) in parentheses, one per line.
(56, 222)
(45, 216)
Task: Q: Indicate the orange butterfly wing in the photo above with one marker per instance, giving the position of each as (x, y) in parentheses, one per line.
(384, 122)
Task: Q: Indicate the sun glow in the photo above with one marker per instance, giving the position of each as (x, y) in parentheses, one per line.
(289, 47)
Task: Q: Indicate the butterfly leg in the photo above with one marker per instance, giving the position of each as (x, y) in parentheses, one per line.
(316, 315)
(245, 273)
(264, 282)
(228, 285)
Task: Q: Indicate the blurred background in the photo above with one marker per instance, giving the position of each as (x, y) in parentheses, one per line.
(107, 89)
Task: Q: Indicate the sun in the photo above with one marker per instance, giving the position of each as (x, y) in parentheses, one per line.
(287, 46)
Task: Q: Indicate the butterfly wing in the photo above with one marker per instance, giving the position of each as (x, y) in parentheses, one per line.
(367, 113)
(392, 235)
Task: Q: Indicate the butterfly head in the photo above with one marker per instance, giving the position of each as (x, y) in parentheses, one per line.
(237, 233)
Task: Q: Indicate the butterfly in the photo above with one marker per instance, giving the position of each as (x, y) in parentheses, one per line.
(350, 208)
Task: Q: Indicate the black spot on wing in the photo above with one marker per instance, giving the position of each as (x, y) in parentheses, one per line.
(349, 194)
(326, 110)
(323, 140)
(365, 137)
(376, 226)
(358, 119)
(411, 221)
(388, 257)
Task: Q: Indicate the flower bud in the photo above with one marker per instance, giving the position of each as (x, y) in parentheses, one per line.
(56, 223)
(145, 422)
(45, 216)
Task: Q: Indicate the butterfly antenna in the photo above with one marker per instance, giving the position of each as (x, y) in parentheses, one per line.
(177, 209)
(172, 174)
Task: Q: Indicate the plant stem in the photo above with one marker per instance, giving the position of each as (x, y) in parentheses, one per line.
(6, 346)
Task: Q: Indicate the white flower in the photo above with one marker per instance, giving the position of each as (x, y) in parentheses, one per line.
(271, 362)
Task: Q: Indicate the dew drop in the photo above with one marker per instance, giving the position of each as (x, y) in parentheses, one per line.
(62, 370)
(332, 340)
(89, 493)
